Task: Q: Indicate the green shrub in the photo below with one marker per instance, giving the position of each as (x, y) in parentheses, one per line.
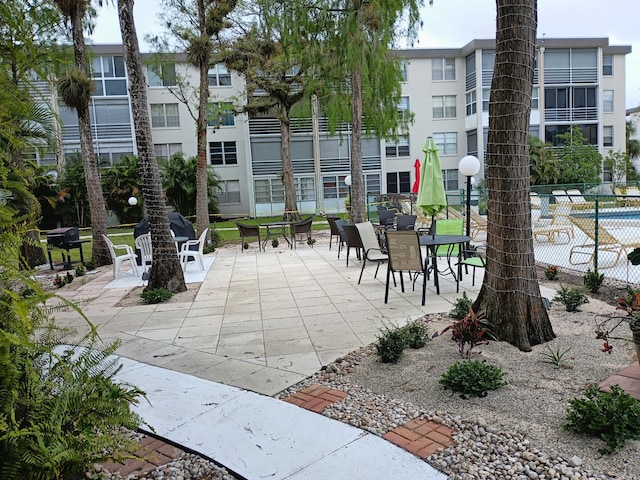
(81, 270)
(551, 272)
(556, 356)
(614, 416)
(571, 298)
(156, 295)
(593, 280)
(472, 377)
(417, 334)
(461, 307)
(391, 343)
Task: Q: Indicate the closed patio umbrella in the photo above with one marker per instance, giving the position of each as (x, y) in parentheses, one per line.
(416, 184)
(432, 198)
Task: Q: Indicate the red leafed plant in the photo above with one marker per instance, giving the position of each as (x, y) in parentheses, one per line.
(630, 303)
(470, 331)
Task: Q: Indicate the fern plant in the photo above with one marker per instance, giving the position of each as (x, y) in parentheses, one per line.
(60, 407)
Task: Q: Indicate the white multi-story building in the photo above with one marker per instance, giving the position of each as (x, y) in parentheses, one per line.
(579, 81)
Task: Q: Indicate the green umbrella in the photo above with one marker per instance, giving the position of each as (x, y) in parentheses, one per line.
(432, 198)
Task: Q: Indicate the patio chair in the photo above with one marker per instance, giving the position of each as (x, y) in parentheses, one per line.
(343, 236)
(353, 240)
(248, 231)
(633, 196)
(561, 197)
(334, 230)
(602, 240)
(302, 228)
(405, 255)
(578, 202)
(371, 247)
(406, 222)
(143, 244)
(470, 258)
(560, 225)
(387, 217)
(117, 260)
(186, 252)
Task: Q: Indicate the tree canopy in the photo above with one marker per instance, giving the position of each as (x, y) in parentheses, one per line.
(579, 162)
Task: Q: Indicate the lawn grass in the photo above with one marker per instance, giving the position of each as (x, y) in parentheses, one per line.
(227, 230)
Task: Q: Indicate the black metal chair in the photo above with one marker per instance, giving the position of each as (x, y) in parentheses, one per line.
(248, 231)
(343, 236)
(353, 240)
(334, 230)
(387, 218)
(302, 227)
(406, 222)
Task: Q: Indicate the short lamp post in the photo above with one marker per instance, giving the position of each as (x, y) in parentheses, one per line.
(347, 182)
(469, 166)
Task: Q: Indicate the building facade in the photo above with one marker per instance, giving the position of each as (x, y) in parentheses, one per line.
(577, 82)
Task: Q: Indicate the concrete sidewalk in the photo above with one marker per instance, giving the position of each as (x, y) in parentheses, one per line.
(257, 436)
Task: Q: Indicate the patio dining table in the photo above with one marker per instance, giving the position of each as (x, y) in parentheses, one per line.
(278, 229)
(432, 242)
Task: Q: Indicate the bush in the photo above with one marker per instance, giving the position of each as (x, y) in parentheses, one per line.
(417, 334)
(391, 343)
(614, 416)
(461, 307)
(471, 330)
(472, 377)
(571, 298)
(551, 272)
(593, 280)
(156, 295)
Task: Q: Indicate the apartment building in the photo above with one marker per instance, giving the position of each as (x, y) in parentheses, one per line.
(577, 81)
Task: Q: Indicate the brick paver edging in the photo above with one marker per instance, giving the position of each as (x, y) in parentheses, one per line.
(153, 453)
(419, 436)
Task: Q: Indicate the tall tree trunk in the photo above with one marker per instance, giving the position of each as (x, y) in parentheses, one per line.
(166, 271)
(202, 173)
(290, 202)
(510, 294)
(99, 249)
(358, 210)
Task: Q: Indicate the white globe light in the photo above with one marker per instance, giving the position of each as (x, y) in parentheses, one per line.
(469, 166)
(133, 201)
(347, 180)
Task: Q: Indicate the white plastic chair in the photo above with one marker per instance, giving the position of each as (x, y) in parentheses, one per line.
(143, 243)
(118, 259)
(186, 253)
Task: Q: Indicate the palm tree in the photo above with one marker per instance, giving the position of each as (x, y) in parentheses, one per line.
(75, 90)
(166, 271)
(544, 164)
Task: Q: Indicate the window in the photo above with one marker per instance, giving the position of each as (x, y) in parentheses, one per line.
(444, 106)
(607, 101)
(555, 98)
(221, 114)
(229, 191)
(472, 142)
(443, 69)
(450, 179)
(403, 108)
(305, 189)
(164, 115)
(470, 100)
(269, 190)
(108, 74)
(447, 142)
(163, 75)
(165, 150)
(607, 136)
(223, 153)
(334, 186)
(219, 76)
(534, 98)
(584, 97)
(399, 149)
(398, 182)
(607, 65)
(486, 94)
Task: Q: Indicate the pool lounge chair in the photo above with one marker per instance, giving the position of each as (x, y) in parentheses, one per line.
(559, 227)
(608, 245)
(578, 202)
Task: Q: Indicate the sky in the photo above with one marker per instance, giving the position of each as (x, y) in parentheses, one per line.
(454, 23)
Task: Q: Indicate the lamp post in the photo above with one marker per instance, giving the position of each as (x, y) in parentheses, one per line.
(469, 166)
(347, 181)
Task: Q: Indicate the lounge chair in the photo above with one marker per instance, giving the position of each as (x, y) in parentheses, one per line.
(478, 224)
(633, 196)
(601, 240)
(578, 202)
(560, 225)
(561, 198)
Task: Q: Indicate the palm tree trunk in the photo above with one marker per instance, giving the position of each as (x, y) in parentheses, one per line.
(100, 251)
(510, 294)
(166, 271)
